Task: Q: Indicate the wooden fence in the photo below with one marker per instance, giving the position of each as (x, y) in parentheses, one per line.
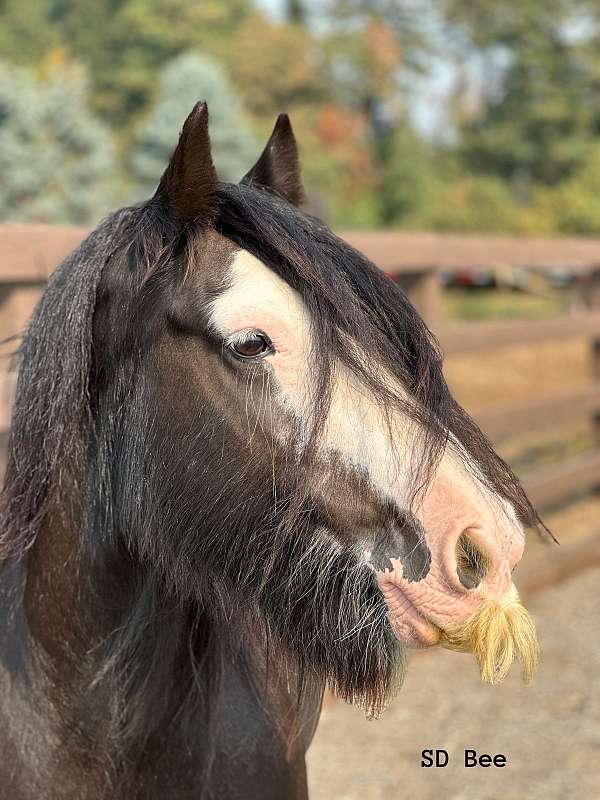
(29, 253)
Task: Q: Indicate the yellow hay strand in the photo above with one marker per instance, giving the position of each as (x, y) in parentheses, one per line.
(497, 633)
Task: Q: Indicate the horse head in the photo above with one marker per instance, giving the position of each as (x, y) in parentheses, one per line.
(257, 416)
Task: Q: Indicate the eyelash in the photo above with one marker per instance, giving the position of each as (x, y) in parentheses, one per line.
(241, 338)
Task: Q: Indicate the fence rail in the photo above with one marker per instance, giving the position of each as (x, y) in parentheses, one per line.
(477, 337)
(528, 416)
(29, 253)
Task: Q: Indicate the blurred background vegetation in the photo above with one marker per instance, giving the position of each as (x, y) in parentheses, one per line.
(442, 114)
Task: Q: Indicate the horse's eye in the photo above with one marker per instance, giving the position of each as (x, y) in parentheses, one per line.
(255, 345)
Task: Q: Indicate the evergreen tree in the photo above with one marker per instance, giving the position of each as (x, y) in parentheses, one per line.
(56, 160)
(184, 81)
(124, 42)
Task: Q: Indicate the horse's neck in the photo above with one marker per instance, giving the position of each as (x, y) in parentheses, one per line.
(59, 668)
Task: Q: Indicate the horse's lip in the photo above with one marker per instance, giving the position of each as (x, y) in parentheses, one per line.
(410, 626)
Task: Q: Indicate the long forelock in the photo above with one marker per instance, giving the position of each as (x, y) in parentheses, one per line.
(351, 302)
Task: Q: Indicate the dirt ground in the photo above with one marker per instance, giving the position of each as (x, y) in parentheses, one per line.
(548, 731)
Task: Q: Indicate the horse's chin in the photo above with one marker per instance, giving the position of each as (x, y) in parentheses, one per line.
(409, 625)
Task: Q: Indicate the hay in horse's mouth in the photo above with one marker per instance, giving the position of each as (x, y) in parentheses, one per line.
(497, 633)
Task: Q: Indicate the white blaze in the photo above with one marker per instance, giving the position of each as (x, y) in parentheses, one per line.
(356, 426)
(387, 446)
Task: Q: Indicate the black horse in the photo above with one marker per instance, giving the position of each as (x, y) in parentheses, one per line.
(235, 475)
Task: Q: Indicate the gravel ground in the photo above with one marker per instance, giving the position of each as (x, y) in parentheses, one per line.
(548, 731)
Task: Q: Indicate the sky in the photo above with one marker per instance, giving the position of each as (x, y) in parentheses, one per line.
(272, 6)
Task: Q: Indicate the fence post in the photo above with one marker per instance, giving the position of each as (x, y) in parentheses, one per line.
(593, 299)
(424, 290)
(596, 377)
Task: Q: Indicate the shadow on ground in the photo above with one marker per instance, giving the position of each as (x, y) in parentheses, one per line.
(548, 731)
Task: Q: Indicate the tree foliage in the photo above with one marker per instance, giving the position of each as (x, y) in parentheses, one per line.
(55, 158)
(519, 152)
(538, 115)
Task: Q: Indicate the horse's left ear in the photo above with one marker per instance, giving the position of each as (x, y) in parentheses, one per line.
(278, 167)
(189, 182)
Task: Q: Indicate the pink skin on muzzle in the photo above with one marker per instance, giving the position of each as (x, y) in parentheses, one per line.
(454, 504)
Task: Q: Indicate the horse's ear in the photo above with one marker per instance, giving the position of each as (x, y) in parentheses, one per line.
(278, 167)
(188, 184)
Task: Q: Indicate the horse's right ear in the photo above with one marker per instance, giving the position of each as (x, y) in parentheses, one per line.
(188, 184)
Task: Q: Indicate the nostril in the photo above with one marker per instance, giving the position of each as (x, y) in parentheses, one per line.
(471, 564)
